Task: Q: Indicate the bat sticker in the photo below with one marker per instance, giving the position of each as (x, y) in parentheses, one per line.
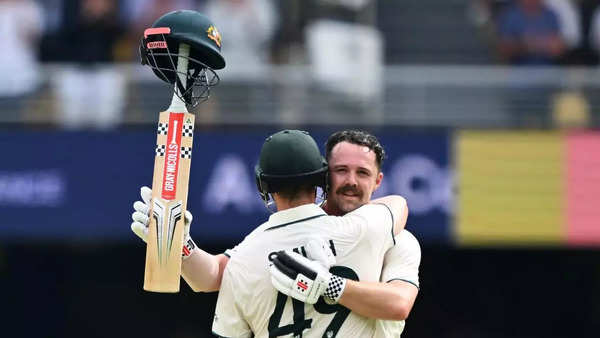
(172, 155)
(172, 214)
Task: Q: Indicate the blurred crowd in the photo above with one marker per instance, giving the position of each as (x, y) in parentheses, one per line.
(88, 37)
(542, 32)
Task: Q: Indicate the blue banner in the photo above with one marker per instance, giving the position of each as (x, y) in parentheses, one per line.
(78, 186)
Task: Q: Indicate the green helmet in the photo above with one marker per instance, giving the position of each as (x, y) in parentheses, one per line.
(289, 158)
(159, 49)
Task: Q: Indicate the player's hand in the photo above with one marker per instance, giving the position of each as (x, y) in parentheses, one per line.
(141, 219)
(318, 250)
(141, 214)
(304, 279)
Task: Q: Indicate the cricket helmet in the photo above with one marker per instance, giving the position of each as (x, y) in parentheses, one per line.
(160, 50)
(287, 158)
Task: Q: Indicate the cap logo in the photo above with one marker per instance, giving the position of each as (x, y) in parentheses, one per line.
(156, 44)
(214, 35)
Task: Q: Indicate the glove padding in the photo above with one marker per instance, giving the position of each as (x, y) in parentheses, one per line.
(318, 250)
(304, 279)
(141, 219)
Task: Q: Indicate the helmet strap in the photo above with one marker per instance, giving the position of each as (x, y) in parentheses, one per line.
(266, 197)
(270, 204)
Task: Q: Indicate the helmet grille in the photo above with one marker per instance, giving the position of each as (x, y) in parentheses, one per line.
(162, 54)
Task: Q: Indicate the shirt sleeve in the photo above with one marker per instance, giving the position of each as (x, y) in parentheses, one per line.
(402, 261)
(377, 221)
(228, 320)
(230, 252)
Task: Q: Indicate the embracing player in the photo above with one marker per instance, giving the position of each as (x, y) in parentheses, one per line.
(289, 171)
(356, 158)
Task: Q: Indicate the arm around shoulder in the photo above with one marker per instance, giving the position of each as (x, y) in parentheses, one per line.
(393, 297)
(398, 208)
(388, 301)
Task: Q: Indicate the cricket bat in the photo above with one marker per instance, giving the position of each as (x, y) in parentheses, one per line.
(172, 161)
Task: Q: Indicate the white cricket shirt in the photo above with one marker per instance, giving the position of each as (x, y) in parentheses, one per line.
(248, 304)
(401, 262)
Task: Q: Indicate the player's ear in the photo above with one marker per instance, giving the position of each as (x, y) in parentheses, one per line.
(378, 179)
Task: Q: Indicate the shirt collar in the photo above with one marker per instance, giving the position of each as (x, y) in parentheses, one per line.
(295, 214)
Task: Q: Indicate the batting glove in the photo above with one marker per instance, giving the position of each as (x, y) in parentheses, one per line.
(141, 219)
(304, 279)
(318, 250)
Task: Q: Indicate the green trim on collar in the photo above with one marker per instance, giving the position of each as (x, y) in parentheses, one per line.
(292, 222)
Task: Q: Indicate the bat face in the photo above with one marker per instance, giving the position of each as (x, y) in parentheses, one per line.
(172, 163)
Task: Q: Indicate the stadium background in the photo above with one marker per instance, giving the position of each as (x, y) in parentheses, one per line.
(499, 161)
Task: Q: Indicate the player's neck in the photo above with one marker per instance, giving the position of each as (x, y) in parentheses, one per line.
(285, 203)
(330, 210)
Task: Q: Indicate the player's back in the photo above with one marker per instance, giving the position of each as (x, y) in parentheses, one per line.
(358, 240)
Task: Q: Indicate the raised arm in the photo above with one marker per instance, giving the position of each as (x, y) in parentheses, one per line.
(201, 270)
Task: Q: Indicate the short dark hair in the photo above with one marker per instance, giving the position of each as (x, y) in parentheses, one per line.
(292, 192)
(357, 137)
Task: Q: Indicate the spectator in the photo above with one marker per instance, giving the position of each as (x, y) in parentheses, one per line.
(529, 34)
(247, 27)
(586, 51)
(20, 28)
(569, 21)
(345, 50)
(91, 90)
(140, 14)
(594, 29)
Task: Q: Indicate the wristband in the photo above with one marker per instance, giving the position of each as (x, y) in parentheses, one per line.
(335, 288)
(188, 247)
